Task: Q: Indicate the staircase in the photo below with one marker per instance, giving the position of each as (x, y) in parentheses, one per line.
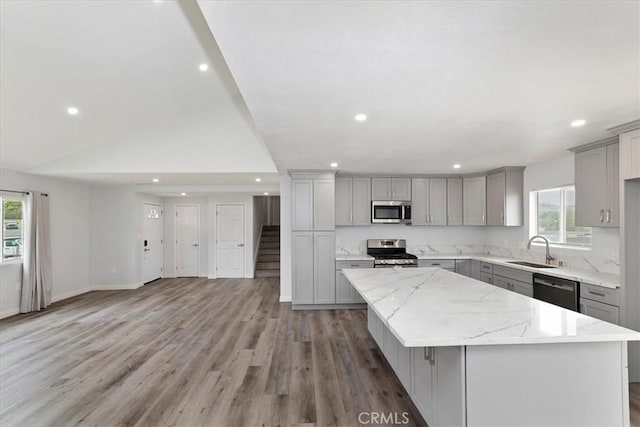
(268, 261)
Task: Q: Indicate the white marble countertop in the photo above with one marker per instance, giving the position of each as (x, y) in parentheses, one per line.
(353, 257)
(431, 307)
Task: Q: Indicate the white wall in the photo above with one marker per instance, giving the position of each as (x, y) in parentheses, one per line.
(285, 238)
(70, 237)
(169, 223)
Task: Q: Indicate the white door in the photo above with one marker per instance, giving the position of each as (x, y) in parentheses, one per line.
(187, 240)
(230, 240)
(152, 243)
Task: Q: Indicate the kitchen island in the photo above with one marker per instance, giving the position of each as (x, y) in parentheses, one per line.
(472, 354)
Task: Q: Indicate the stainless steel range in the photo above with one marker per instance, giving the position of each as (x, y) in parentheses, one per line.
(390, 253)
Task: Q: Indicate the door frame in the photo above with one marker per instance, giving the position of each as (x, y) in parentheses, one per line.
(175, 234)
(244, 236)
(161, 249)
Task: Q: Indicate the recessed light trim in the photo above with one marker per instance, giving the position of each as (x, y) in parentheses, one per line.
(72, 111)
(360, 117)
(457, 166)
(155, 180)
(183, 194)
(578, 123)
(258, 179)
(266, 194)
(334, 165)
(203, 67)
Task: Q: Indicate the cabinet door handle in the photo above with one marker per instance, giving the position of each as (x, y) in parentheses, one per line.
(502, 218)
(351, 217)
(608, 216)
(601, 215)
(599, 294)
(484, 218)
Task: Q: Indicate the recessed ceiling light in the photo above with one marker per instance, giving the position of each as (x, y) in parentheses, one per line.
(258, 179)
(157, 1)
(266, 194)
(155, 180)
(578, 123)
(457, 166)
(72, 111)
(203, 67)
(334, 165)
(360, 117)
(183, 194)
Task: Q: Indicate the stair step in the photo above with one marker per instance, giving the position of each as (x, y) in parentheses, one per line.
(269, 251)
(267, 273)
(270, 236)
(268, 265)
(270, 245)
(270, 239)
(271, 227)
(268, 257)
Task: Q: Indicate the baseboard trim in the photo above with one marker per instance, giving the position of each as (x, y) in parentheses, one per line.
(116, 287)
(284, 298)
(9, 313)
(327, 306)
(69, 295)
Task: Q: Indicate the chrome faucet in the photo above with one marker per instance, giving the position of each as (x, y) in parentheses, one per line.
(548, 256)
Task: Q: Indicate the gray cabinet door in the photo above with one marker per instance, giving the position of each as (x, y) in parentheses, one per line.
(344, 291)
(344, 197)
(476, 269)
(496, 198)
(361, 201)
(324, 210)
(454, 201)
(303, 259)
(380, 188)
(474, 192)
(521, 288)
(463, 266)
(612, 215)
(324, 267)
(606, 312)
(420, 201)
(437, 201)
(422, 386)
(301, 204)
(404, 366)
(591, 187)
(400, 188)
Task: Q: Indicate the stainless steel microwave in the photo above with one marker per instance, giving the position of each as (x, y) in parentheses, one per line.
(390, 212)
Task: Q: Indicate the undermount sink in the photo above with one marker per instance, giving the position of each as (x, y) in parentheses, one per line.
(531, 264)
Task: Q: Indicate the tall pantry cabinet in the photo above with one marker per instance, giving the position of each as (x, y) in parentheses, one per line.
(313, 238)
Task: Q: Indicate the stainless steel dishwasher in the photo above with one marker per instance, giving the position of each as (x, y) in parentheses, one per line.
(561, 292)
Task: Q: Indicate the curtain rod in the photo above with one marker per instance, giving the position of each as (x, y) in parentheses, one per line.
(22, 192)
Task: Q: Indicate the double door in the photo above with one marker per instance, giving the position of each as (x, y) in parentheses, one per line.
(429, 201)
(314, 267)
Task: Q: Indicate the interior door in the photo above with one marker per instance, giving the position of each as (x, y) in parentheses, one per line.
(152, 242)
(187, 240)
(230, 240)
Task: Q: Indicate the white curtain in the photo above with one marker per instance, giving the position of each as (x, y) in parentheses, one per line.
(36, 264)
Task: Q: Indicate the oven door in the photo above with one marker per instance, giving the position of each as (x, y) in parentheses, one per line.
(390, 212)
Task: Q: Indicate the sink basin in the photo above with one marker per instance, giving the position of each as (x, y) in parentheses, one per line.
(531, 264)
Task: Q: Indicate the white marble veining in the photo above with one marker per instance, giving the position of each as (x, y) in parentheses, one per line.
(433, 307)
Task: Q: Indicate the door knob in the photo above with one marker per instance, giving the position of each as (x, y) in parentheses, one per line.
(195, 244)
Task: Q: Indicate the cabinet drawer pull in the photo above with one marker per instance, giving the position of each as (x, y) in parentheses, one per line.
(435, 263)
(599, 294)
(355, 265)
(601, 215)
(486, 267)
(608, 216)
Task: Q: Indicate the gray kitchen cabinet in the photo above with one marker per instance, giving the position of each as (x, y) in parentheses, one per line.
(597, 176)
(486, 277)
(324, 277)
(404, 366)
(454, 201)
(474, 190)
(423, 387)
(391, 349)
(420, 201)
(376, 328)
(476, 269)
(324, 204)
(353, 201)
(303, 258)
(513, 285)
(599, 310)
(345, 293)
(505, 197)
(437, 201)
(463, 267)
(630, 154)
(391, 188)
(600, 294)
(445, 264)
(302, 204)
(312, 203)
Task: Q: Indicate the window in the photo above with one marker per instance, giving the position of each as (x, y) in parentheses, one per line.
(553, 215)
(12, 212)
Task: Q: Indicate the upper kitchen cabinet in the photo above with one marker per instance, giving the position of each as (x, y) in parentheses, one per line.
(391, 189)
(474, 194)
(429, 201)
(597, 176)
(454, 201)
(353, 201)
(630, 154)
(505, 197)
(312, 202)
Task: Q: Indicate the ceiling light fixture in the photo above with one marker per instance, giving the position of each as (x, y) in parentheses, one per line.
(334, 165)
(457, 166)
(258, 179)
(578, 123)
(155, 180)
(183, 194)
(203, 67)
(72, 111)
(266, 194)
(360, 117)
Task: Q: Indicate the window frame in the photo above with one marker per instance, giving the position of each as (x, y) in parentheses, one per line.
(533, 219)
(3, 198)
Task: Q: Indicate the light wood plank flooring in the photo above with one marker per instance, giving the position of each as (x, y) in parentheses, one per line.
(191, 352)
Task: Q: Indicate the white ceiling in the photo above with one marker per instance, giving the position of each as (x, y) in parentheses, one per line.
(131, 67)
(484, 84)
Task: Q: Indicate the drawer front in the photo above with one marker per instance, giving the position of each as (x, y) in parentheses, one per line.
(598, 293)
(512, 273)
(516, 286)
(353, 264)
(606, 312)
(486, 267)
(486, 277)
(448, 264)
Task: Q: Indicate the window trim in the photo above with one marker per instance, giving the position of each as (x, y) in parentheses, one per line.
(13, 260)
(533, 219)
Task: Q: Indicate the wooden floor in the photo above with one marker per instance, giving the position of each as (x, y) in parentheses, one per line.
(192, 352)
